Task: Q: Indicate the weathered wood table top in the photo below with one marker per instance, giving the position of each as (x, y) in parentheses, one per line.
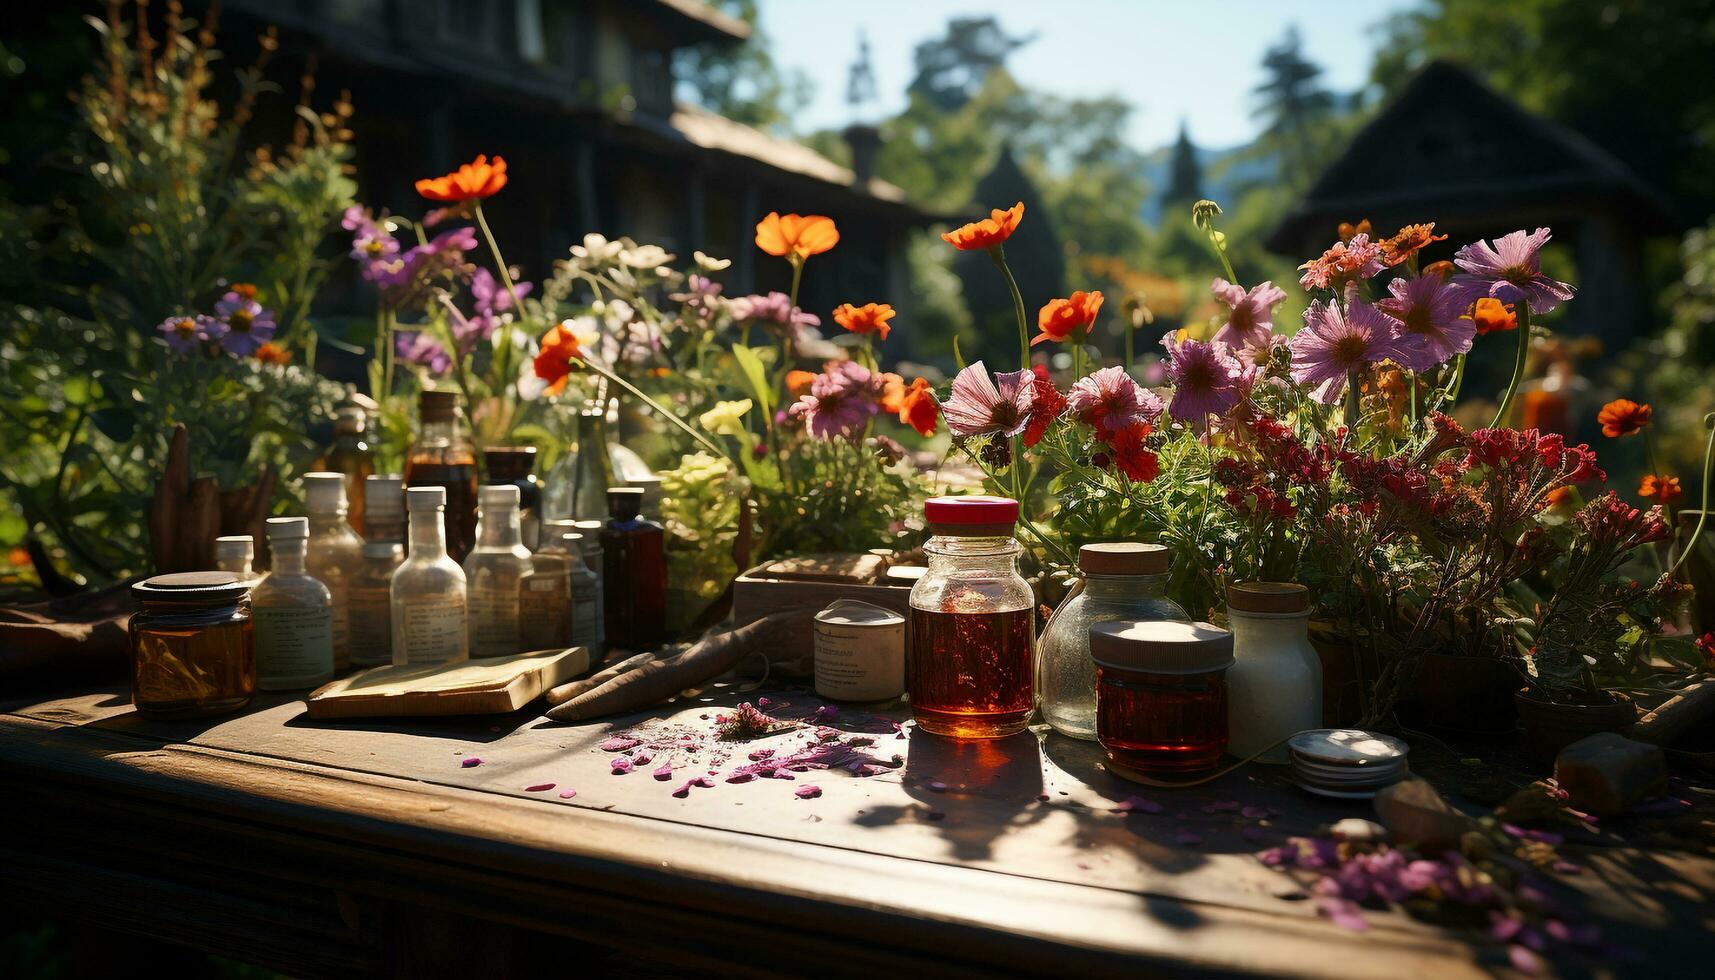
(357, 847)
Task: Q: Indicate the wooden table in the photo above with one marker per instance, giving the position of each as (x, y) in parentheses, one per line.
(370, 847)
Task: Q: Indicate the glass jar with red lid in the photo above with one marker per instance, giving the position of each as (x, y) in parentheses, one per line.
(1161, 695)
(973, 635)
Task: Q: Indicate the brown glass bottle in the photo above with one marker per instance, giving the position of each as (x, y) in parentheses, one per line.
(442, 457)
(515, 466)
(634, 574)
(350, 455)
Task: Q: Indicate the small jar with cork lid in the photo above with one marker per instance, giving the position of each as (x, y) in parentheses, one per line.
(1121, 580)
(1161, 696)
(1275, 687)
(193, 651)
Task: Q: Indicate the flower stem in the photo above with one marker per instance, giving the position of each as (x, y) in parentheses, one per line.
(1703, 515)
(506, 278)
(1352, 398)
(1518, 365)
(659, 410)
(999, 256)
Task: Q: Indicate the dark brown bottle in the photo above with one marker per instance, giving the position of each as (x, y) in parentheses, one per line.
(352, 455)
(634, 574)
(442, 457)
(515, 466)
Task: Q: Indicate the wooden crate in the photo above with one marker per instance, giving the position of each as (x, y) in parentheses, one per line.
(757, 593)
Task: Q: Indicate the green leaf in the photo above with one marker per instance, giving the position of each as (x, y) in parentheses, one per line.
(958, 358)
(757, 376)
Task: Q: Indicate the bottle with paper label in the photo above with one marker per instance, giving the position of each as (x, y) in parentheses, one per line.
(495, 569)
(430, 621)
(372, 587)
(293, 615)
(335, 553)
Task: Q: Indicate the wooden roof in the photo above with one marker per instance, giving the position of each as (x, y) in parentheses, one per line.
(1447, 148)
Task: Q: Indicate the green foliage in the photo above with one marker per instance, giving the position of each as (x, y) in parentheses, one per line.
(1293, 108)
(742, 81)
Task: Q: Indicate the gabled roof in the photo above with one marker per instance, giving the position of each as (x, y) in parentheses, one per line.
(1448, 146)
(706, 21)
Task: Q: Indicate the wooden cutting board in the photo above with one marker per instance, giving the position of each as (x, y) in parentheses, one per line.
(492, 685)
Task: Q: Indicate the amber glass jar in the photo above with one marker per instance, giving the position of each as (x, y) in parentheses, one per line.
(192, 649)
(1161, 696)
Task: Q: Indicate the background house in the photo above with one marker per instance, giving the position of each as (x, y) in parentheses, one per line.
(1451, 150)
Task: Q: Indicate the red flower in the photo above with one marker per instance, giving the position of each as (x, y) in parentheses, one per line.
(1706, 644)
(554, 363)
(915, 405)
(1046, 405)
(1623, 417)
(1062, 318)
(1130, 455)
(477, 179)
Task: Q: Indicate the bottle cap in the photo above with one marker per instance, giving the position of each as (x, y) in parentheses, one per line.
(425, 498)
(624, 503)
(383, 496)
(349, 419)
(977, 515)
(324, 492)
(202, 589)
(1124, 558)
(1268, 597)
(234, 546)
(1161, 646)
(437, 406)
(509, 462)
(498, 496)
(287, 528)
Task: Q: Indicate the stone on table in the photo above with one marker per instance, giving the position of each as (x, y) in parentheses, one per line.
(1606, 772)
(1415, 815)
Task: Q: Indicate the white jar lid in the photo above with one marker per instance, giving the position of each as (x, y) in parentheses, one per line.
(287, 528)
(856, 612)
(1161, 646)
(324, 491)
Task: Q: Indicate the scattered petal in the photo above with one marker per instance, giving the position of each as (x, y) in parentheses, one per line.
(622, 765)
(1254, 812)
(470, 762)
(539, 788)
(936, 786)
(1137, 804)
(619, 743)
(1188, 837)
(807, 792)
(664, 771)
(567, 794)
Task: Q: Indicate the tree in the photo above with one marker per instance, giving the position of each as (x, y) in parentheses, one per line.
(951, 70)
(1185, 174)
(1293, 107)
(742, 81)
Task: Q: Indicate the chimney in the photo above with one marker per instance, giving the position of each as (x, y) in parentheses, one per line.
(864, 141)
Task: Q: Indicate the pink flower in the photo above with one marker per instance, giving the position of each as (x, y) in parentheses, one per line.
(185, 332)
(248, 324)
(842, 400)
(1251, 322)
(1205, 378)
(977, 406)
(1346, 262)
(1335, 341)
(1433, 326)
(1510, 270)
(1110, 401)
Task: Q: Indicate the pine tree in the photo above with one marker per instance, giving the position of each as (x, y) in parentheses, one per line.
(1184, 174)
(1292, 105)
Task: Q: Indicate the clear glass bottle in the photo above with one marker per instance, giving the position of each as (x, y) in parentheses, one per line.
(235, 553)
(293, 613)
(193, 648)
(442, 457)
(577, 486)
(352, 456)
(495, 570)
(372, 586)
(1121, 580)
(430, 624)
(515, 466)
(634, 574)
(1274, 689)
(583, 538)
(560, 600)
(335, 555)
(973, 636)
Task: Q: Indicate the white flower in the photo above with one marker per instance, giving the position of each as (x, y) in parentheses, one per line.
(709, 263)
(596, 251)
(645, 256)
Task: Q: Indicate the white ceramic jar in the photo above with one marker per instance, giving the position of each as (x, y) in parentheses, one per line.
(1274, 688)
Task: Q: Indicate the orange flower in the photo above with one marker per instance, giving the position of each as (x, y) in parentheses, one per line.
(1061, 318)
(1491, 315)
(1623, 417)
(244, 289)
(272, 353)
(1407, 241)
(1442, 270)
(1347, 229)
(868, 318)
(987, 232)
(553, 363)
(477, 179)
(1662, 489)
(798, 382)
(915, 406)
(796, 237)
(1559, 496)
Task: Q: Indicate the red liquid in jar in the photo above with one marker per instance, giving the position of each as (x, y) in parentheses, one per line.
(970, 673)
(1161, 724)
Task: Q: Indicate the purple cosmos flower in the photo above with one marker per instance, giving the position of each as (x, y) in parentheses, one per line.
(1251, 322)
(1110, 400)
(248, 325)
(417, 347)
(1510, 270)
(1335, 341)
(775, 308)
(977, 406)
(1347, 261)
(1433, 327)
(491, 296)
(1205, 378)
(186, 332)
(842, 400)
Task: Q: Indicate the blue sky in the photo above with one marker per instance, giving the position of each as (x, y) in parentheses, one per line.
(1171, 60)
